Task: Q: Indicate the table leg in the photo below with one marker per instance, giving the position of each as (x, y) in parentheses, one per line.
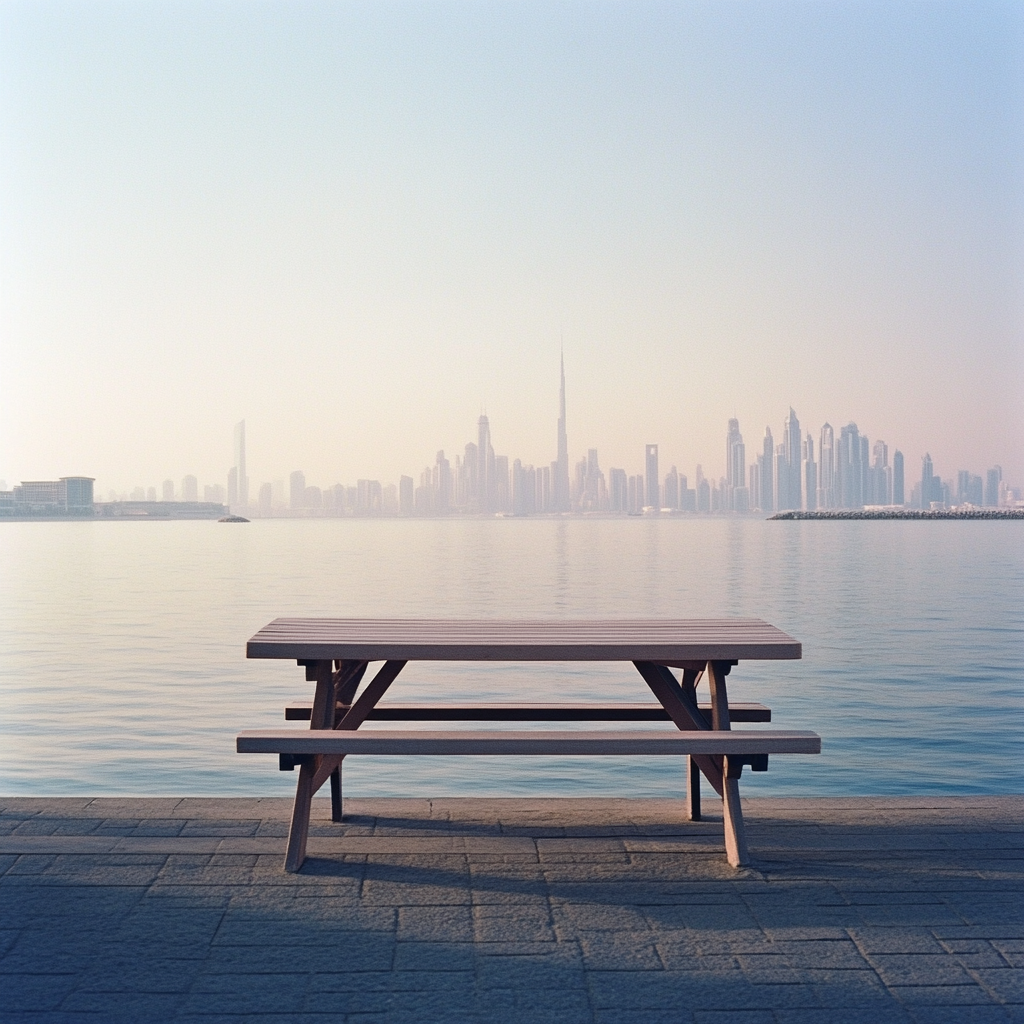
(356, 715)
(336, 814)
(296, 851)
(732, 812)
(321, 717)
(692, 789)
(735, 832)
(346, 682)
(689, 685)
(681, 705)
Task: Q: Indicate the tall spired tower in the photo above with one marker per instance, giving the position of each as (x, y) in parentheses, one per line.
(242, 477)
(561, 466)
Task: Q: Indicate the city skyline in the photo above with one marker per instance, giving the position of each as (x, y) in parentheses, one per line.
(798, 473)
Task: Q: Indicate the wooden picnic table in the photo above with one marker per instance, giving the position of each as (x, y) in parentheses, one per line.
(336, 652)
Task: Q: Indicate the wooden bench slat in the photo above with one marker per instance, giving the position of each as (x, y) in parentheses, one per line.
(554, 743)
(493, 711)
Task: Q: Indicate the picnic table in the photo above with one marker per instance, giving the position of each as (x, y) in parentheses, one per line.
(337, 652)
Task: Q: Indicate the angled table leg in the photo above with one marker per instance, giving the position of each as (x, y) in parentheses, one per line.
(321, 716)
(312, 776)
(681, 705)
(732, 812)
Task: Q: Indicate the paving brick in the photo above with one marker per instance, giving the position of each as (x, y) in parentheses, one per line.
(733, 1017)
(599, 917)
(512, 923)
(974, 953)
(918, 969)
(940, 995)
(36, 992)
(139, 974)
(435, 924)
(124, 1006)
(895, 940)
(605, 951)
(620, 1015)
(370, 955)
(1005, 984)
(531, 973)
(768, 969)
(434, 956)
(894, 1014)
(982, 1014)
(837, 954)
(248, 994)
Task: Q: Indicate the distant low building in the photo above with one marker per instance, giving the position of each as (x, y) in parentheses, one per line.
(161, 509)
(68, 496)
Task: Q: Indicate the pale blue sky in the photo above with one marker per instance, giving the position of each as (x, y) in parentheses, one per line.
(356, 224)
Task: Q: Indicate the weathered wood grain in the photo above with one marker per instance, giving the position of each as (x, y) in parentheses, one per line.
(515, 742)
(679, 641)
(493, 711)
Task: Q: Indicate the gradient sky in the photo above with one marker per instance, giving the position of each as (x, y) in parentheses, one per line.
(358, 224)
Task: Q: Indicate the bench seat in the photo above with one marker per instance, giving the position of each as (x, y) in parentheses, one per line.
(496, 712)
(546, 743)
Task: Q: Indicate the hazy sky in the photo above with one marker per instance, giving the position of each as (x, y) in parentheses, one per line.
(358, 224)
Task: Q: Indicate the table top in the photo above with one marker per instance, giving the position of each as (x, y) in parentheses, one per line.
(664, 641)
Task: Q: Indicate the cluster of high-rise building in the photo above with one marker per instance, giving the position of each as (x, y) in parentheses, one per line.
(844, 471)
(848, 472)
(798, 472)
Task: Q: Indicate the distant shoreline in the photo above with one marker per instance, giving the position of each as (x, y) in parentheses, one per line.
(906, 513)
(823, 514)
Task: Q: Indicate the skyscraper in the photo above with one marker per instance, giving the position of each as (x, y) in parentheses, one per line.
(619, 490)
(561, 466)
(443, 488)
(766, 467)
(826, 468)
(297, 489)
(897, 478)
(243, 478)
(810, 473)
(735, 466)
(993, 479)
(485, 477)
(849, 473)
(653, 478)
(670, 490)
(792, 444)
(931, 485)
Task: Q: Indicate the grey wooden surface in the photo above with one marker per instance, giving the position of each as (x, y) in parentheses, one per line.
(532, 742)
(494, 711)
(666, 641)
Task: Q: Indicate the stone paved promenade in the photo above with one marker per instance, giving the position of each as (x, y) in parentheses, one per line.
(880, 910)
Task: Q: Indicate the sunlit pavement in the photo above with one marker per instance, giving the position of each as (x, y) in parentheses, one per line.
(880, 910)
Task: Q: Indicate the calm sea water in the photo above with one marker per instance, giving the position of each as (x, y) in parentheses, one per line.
(123, 669)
